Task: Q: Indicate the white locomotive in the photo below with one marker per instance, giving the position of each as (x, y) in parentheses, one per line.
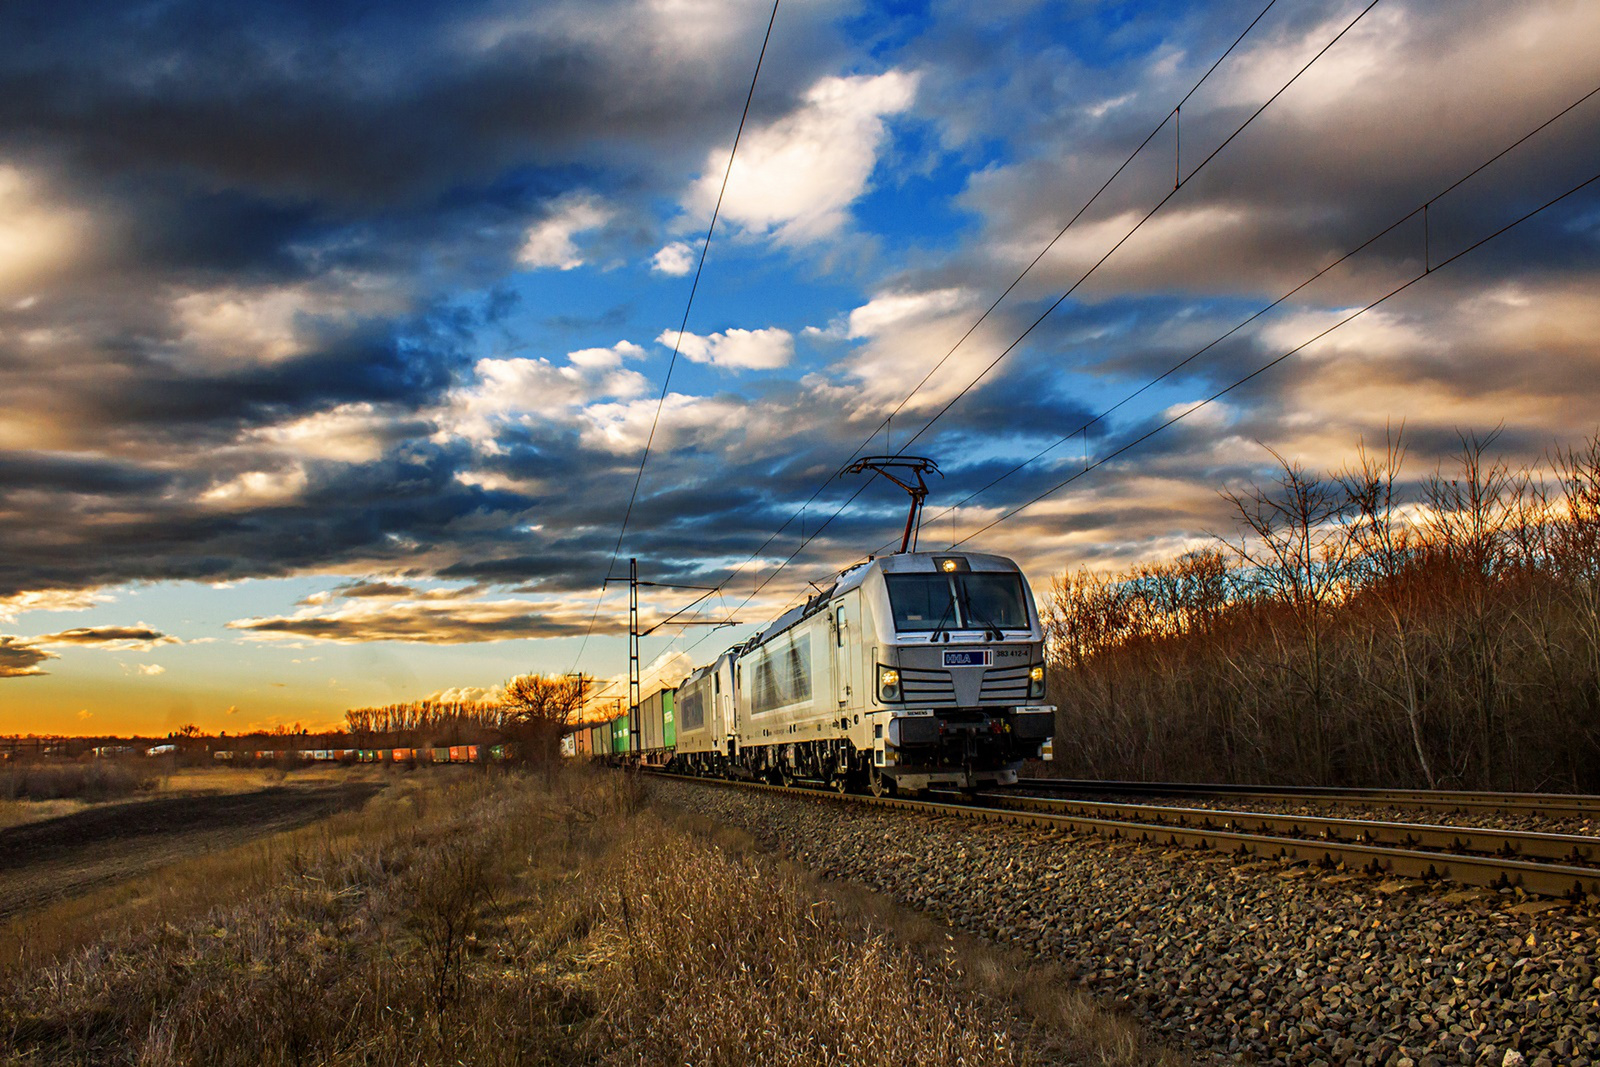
(914, 670)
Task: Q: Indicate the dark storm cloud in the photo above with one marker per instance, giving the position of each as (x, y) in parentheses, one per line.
(389, 512)
(368, 364)
(360, 167)
(74, 474)
(20, 659)
(344, 102)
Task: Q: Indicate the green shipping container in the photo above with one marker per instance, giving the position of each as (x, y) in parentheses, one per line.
(620, 740)
(669, 719)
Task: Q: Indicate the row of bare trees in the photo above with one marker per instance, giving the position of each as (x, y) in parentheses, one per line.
(1356, 630)
(438, 722)
(534, 711)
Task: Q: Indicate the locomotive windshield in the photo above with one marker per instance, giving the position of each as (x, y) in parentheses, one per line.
(964, 601)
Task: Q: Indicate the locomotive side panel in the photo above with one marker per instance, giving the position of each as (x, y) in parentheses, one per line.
(694, 718)
(786, 685)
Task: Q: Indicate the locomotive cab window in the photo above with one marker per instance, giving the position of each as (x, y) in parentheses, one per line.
(924, 603)
(921, 602)
(993, 600)
(838, 629)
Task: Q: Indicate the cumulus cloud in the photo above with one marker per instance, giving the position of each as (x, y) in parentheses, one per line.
(521, 389)
(676, 259)
(347, 433)
(468, 694)
(550, 243)
(685, 422)
(904, 335)
(50, 600)
(766, 349)
(20, 658)
(796, 177)
(150, 669)
(670, 667)
(258, 489)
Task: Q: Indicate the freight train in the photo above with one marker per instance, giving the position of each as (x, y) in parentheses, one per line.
(912, 671)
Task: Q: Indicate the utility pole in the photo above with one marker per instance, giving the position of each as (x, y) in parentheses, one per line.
(635, 633)
(633, 652)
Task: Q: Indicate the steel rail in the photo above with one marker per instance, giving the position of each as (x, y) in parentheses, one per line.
(1578, 848)
(1554, 805)
(1532, 877)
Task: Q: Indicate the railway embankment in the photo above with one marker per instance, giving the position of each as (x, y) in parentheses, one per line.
(1241, 960)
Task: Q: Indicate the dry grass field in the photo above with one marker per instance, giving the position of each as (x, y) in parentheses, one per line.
(463, 916)
(34, 792)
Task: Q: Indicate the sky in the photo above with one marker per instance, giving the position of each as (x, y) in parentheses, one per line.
(331, 334)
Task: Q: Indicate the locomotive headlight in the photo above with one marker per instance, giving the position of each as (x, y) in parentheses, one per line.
(888, 683)
(1036, 681)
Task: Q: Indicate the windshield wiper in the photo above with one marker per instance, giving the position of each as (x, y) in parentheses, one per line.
(938, 627)
(988, 626)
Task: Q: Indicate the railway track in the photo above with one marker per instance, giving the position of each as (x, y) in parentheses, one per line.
(1544, 805)
(1540, 864)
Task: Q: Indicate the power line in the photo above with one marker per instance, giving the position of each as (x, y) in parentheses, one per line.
(1177, 187)
(1407, 217)
(1181, 182)
(887, 420)
(1427, 271)
(683, 326)
(1169, 116)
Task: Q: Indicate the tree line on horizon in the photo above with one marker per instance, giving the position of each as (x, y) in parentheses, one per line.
(534, 711)
(1352, 631)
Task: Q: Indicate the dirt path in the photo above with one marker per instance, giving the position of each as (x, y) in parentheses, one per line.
(57, 858)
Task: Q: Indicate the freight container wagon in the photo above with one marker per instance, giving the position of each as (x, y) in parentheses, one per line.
(658, 727)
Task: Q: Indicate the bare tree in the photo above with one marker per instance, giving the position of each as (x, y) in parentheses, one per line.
(539, 708)
(1382, 552)
(1295, 547)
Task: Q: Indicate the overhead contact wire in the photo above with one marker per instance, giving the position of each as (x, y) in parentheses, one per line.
(1153, 382)
(1182, 181)
(1137, 227)
(683, 326)
(887, 420)
(1219, 394)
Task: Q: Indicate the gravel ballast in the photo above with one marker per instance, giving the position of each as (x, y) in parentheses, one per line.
(1238, 959)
